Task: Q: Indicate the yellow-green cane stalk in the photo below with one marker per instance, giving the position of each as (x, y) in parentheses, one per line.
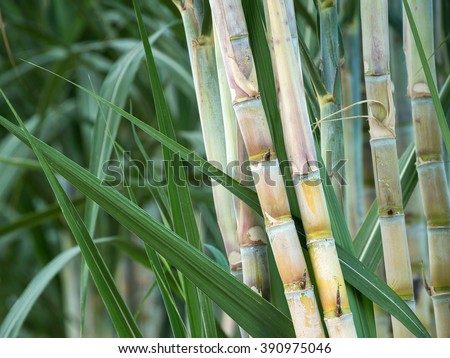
(305, 173)
(250, 232)
(235, 48)
(203, 64)
(415, 219)
(430, 167)
(353, 141)
(381, 111)
(332, 128)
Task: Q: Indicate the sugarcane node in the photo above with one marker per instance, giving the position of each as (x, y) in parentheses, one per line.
(390, 212)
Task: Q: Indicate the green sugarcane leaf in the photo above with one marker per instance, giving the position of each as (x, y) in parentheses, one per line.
(121, 317)
(177, 325)
(13, 321)
(116, 88)
(218, 256)
(9, 147)
(263, 320)
(35, 218)
(158, 193)
(21, 163)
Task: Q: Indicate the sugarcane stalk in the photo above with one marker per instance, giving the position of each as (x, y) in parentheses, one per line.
(251, 235)
(235, 48)
(430, 167)
(252, 240)
(305, 173)
(381, 111)
(415, 219)
(353, 130)
(203, 65)
(332, 128)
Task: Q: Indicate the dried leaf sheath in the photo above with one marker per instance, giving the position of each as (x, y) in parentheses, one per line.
(238, 60)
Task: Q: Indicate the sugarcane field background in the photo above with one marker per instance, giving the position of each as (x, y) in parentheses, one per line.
(224, 168)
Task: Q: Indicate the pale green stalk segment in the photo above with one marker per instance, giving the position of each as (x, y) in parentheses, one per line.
(381, 111)
(301, 152)
(176, 322)
(430, 167)
(233, 39)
